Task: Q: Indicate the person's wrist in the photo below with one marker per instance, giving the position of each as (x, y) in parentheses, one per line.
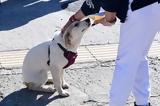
(72, 18)
(79, 15)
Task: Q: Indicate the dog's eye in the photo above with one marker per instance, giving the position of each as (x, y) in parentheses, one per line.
(76, 24)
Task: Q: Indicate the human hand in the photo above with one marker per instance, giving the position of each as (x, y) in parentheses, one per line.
(76, 17)
(107, 20)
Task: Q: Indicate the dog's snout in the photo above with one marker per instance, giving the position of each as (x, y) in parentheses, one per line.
(88, 21)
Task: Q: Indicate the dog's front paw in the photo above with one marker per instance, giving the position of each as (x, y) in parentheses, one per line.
(46, 88)
(64, 93)
(49, 89)
(65, 86)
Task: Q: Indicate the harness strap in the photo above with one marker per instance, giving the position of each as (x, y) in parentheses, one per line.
(69, 55)
(65, 50)
(48, 62)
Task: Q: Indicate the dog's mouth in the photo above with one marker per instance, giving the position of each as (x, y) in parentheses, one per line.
(83, 30)
(86, 27)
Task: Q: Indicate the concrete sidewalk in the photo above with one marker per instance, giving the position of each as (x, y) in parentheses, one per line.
(26, 23)
(14, 58)
(89, 86)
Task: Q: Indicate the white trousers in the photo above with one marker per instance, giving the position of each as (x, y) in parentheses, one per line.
(131, 72)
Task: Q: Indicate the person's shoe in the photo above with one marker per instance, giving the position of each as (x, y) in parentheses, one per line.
(142, 105)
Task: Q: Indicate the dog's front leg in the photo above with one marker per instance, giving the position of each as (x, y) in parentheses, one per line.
(64, 83)
(56, 74)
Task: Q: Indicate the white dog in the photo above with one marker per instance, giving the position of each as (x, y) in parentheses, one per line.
(52, 55)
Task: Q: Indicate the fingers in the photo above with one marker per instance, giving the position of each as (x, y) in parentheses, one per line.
(110, 16)
(105, 22)
(108, 19)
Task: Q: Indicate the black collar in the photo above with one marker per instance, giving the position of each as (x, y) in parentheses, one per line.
(64, 49)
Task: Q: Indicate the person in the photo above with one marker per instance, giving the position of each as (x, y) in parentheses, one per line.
(139, 25)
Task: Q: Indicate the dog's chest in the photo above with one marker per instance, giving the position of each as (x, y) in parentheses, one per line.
(71, 57)
(61, 55)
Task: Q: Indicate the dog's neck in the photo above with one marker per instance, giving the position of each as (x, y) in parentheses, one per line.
(60, 39)
(73, 46)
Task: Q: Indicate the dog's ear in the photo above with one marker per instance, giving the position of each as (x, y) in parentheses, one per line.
(67, 38)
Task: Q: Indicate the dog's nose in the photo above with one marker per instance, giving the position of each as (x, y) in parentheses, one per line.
(88, 21)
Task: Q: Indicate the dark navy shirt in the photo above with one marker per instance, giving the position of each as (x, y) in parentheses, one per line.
(93, 6)
(119, 6)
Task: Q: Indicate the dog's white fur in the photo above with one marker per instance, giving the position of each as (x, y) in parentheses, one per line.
(35, 65)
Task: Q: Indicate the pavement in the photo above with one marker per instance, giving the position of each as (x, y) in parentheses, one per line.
(24, 24)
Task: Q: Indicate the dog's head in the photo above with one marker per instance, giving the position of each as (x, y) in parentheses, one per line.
(75, 31)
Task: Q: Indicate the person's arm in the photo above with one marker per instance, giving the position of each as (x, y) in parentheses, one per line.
(91, 7)
(120, 7)
(111, 5)
(108, 19)
(88, 7)
(111, 8)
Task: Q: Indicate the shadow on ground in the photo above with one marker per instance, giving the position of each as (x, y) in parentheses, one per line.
(25, 97)
(15, 13)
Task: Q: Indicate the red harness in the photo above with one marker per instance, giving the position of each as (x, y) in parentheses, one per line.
(69, 55)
